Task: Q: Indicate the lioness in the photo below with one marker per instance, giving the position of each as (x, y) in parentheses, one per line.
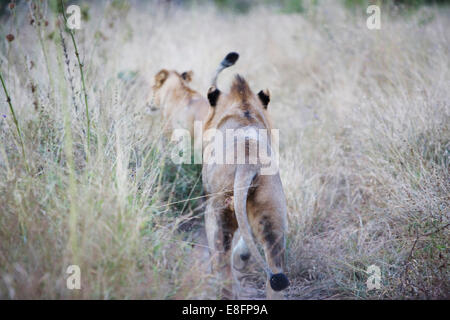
(239, 196)
(180, 105)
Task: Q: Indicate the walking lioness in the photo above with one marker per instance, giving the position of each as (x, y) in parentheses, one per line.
(239, 195)
(180, 105)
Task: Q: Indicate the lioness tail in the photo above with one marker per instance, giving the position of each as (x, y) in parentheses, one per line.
(228, 61)
(242, 182)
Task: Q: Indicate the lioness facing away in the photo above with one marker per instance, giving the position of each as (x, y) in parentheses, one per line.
(239, 196)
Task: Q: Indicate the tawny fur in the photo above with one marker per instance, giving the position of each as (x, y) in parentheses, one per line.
(265, 204)
(180, 105)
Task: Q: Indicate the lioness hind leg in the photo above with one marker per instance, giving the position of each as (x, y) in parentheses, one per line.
(220, 229)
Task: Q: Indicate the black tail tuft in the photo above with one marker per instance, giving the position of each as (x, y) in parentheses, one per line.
(279, 281)
(230, 59)
(245, 256)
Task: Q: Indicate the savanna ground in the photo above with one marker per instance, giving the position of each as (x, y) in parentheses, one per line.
(364, 121)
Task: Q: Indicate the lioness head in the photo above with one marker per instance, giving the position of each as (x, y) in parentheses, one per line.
(240, 103)
(166, 80)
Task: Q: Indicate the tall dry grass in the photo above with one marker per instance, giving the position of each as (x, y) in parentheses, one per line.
(364, 122)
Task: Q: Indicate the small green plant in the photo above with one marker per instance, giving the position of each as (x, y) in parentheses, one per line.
(240, 6)
(293, 6)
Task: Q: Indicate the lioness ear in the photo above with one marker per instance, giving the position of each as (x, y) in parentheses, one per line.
(213, 96)
(161, 77)
(264, 96)
(187, 76)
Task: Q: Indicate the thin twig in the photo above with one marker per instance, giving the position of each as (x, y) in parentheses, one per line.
(83, 83)
(418, 236)
(8, 100)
